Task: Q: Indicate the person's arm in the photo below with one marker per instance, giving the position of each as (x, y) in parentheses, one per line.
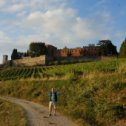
(49, 94)
(58, 93)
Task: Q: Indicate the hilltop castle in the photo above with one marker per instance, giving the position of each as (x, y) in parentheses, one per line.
(49, 53)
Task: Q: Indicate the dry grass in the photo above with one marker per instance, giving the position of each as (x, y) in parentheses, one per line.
(11, 114)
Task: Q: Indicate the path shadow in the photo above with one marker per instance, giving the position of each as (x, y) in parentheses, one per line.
(45, 117)
(51, 123)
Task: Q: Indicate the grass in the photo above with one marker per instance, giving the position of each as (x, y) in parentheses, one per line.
(93, 94)
(11, 114)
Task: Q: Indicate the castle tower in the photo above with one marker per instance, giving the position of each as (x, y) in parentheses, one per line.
(5, 59)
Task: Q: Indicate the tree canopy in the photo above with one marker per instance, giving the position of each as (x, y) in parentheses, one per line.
(37, 49)
(106, 48)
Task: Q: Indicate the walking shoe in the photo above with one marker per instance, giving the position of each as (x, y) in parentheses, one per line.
(49, 114)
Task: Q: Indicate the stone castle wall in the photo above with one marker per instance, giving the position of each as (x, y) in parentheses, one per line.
(30, 61)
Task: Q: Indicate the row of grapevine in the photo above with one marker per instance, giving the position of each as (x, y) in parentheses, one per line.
(58, 71)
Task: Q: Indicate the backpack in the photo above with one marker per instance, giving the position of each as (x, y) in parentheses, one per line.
(55, 96)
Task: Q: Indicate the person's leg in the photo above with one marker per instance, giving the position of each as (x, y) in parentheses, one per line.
(50, 108)
(54, 111)
(54, 106)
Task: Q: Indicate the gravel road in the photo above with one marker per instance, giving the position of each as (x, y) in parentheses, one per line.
(37, 115)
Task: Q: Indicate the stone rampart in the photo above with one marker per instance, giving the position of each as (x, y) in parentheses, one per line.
(30, 61)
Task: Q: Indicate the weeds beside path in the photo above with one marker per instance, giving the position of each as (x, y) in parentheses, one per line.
(11, 114)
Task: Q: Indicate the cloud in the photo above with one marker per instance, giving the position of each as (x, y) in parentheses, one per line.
(2, 2)
(60, 26)
(53, 25)
(63, 25)
(15, 8)
(57, 23)
(4, 38)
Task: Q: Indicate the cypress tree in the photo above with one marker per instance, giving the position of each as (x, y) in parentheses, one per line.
(14, 54)
(122, 53)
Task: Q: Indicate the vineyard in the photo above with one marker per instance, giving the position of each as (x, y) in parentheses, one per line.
(60, 71)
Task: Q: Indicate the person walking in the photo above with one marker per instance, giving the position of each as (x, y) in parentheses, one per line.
(52, 103)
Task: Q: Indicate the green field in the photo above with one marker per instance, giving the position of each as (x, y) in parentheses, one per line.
(92, 94)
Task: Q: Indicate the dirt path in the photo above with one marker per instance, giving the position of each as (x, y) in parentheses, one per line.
(37, 115)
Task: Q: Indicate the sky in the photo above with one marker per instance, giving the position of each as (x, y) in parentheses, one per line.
(71, 23)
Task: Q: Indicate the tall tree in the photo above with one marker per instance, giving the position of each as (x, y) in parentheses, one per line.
(14, 54)
(107, 48)
(37, 49)
(122, 53)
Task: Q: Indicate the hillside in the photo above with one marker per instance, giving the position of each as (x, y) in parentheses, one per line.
(92, 94)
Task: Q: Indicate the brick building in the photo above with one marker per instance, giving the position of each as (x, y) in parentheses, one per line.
(51, 50)
(77, 52)
(74, 52)
(90, 50)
